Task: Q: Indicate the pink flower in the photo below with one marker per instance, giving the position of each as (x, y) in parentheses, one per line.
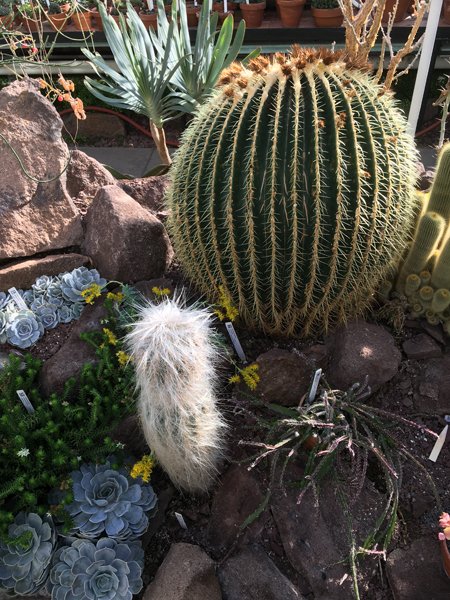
(444, 520)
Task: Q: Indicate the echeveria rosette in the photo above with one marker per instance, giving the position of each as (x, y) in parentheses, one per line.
(107, 570)
(65, 314)
(24, 566)
(47, 315)
(109, 501)
(3, 324)
(4, 299)
(78, 280)
(23, 329)
(41, 285)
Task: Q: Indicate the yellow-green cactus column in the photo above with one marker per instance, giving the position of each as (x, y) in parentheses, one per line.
(440, 190)
(294, 190)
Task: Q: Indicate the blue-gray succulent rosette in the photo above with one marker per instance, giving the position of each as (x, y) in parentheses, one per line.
(105, 570)
(26, 556)
(49, 302)
(107, 501)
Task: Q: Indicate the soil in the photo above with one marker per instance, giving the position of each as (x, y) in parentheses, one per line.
(418, 512)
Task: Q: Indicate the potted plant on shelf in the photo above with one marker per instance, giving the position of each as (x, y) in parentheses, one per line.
(56, 17)
(253, 12)
(290, 12)
(224, 9)
(446, 11)
(148, 15)
(192, 10)
(400, 13)
(30, 15)
(6, 14)
(82, 17)
(117, 8)
(326, 13)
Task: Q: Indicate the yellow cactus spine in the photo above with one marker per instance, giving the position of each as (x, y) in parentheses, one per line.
(440, 190)
(293, 189)
(440, 278)
(426, 240)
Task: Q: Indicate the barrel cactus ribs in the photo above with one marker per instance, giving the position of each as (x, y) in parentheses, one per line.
(293, 189)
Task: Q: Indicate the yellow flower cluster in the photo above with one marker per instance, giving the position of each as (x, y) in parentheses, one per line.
(249, 375)
(115, 297)
(122, 357)
(226, 309)
(91, 293)
(111, 338)
(143, 468)
(161, 291)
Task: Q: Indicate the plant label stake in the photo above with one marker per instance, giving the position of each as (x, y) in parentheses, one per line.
(20, 302)
(25, 401)
(235, 341)
(438, 445)
(314, 386)
(181, 521)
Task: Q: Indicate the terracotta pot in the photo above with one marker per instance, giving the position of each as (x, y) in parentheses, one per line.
(59, 21)
(97, 20)
(65, 8)
(218, 7)
(402, 10)
(253, 14)
(446, 10)
(327, 17)
(149, 20)
(29, 24)
(290, 12)
(6, 21)
(223, 16)
(192, 15)
(82, 21)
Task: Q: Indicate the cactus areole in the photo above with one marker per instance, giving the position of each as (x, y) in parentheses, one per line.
(294, 189)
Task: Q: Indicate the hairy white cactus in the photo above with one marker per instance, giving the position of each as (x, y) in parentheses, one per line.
(175, 359)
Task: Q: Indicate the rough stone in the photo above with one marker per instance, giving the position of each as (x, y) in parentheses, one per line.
(85, 176)
(284, 377)
(96, 125)
(316, 540)
(237, 497)
(187, 573)
(149, 192)
(434, 387)
(74, 354)
(416, 572)
(129, 432)
(252, 575)
(420, 347)
(34, 216)
(24, 273)
(362, 349)
(133, 245)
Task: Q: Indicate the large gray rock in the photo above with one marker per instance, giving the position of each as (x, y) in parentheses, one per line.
(149, 192)
(252, 575)
(416, 572)
(316, 539)
(23, 274)
(434, 389)
(74, 354)
(237, 497)
(85, 176)
(126, 242)
(36, 213)
(187, 573)
(361, 349)
(284, 377)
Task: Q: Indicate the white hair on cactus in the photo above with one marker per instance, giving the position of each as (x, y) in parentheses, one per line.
(175, 360)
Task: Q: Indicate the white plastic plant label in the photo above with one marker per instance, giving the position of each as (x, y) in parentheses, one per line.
(181, 521)
(314, 385)
(235, 341)
(438, 445)
(25, 401)
(20, 302)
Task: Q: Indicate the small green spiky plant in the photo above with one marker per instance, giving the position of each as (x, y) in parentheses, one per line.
(293, 189)
(174, 355)
(424, 276)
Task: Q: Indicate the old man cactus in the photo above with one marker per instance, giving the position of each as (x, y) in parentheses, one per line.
(293, 189)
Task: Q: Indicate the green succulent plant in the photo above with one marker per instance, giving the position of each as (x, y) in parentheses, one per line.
(293, 191)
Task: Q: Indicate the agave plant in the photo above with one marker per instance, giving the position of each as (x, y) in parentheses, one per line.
(159, 74)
